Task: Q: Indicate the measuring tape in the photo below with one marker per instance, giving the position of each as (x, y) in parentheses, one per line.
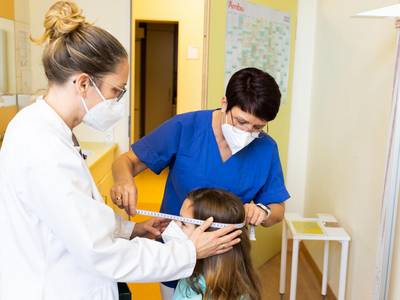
(149, 213)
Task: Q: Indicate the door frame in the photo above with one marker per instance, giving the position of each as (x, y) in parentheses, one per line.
(190, 96)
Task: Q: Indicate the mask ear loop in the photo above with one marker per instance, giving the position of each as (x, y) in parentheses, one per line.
(97, 90)
(84, 104)
(224, 112)
(82, 99)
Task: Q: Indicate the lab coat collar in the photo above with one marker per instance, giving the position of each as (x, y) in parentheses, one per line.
(55, 120)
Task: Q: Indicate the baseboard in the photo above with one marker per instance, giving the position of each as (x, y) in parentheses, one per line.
(315, 269)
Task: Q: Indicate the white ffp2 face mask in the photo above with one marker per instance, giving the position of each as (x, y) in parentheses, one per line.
(103, 115)
(236, 138)
(173, 232)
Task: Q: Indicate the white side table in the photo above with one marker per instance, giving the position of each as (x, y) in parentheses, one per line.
(299, 229)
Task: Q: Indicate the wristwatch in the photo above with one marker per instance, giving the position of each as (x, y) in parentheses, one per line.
(265, 208)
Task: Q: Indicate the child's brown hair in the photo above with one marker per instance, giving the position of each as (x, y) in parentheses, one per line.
(228, 276)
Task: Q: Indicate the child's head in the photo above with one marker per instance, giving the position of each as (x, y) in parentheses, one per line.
(223, 206)
(229, 275)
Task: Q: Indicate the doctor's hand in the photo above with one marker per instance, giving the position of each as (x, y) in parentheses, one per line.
(214, 242)
(150, 229)
(124, 195)
(254, 214)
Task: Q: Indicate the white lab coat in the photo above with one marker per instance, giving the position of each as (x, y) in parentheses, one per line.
(58, 238)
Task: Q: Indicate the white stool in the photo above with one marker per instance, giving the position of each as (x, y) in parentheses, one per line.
(299, 229)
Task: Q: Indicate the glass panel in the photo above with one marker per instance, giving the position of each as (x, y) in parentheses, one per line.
(8, 99)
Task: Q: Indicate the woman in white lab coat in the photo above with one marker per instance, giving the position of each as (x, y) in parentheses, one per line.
(58, 238)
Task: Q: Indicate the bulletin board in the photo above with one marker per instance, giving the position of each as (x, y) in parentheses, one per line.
(257, 36)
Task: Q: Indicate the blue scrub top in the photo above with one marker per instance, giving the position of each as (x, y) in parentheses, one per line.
(186, 144)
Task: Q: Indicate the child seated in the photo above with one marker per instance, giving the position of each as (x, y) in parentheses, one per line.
(228, 276)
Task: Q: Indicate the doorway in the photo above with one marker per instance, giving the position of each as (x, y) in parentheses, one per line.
(156, 75)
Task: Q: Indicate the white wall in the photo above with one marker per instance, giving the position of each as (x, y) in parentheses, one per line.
(301, 103)
(113, 16)
(345, 135)
(22, 11)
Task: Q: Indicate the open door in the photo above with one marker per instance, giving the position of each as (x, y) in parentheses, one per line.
(156, 74)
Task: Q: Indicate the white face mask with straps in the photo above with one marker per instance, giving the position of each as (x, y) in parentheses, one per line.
(173, 232)
(236, 138)
(105, 114)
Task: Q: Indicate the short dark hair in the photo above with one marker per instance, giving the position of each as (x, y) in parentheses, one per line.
(255, 92)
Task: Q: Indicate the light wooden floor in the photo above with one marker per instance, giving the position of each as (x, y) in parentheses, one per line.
(308, 285)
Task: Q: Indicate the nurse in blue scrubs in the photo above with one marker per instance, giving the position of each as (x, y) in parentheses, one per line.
(225, 148)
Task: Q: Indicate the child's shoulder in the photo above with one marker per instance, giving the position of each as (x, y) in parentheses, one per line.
(183, 290)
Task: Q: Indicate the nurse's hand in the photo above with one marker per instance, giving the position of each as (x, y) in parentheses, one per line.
(150, 229)
(214, 242)
(254, 214)
(124, 195)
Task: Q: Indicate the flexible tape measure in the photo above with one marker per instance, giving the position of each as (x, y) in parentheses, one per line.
(154, 214)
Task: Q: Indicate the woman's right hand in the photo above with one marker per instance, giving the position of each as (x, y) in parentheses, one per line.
(214, 242)
(124, 195)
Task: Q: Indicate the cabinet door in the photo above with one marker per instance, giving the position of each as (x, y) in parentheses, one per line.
(102, 166)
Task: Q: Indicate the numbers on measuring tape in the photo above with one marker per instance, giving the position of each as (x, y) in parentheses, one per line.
(252, 233)
(185, 220)
(154, 214)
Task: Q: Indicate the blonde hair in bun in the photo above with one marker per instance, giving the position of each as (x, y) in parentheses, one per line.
(62, 18)
(74, 45)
